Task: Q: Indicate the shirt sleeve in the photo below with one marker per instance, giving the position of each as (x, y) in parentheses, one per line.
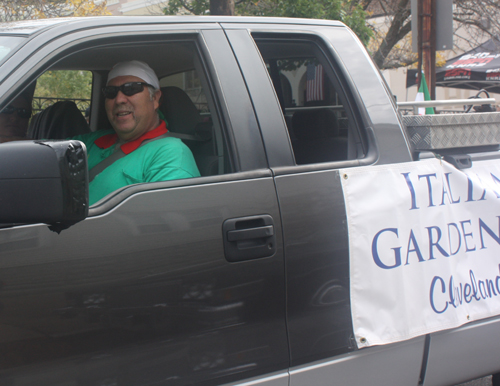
(89, 138)
(170, 159)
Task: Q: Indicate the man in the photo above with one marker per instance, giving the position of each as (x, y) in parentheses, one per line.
(137, 154)
(14, 118)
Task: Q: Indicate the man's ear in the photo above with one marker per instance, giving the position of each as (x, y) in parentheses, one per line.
(157, 99)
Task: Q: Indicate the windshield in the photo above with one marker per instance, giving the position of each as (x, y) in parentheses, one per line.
(8, 45)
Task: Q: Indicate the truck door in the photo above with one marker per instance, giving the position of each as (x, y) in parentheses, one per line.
(177, 282)
(320, 124)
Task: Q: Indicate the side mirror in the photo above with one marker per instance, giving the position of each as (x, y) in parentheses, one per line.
(43, 182)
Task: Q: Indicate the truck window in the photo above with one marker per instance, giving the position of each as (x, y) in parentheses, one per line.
(185, 104)
(186, 107)
(190, 83)
(61, 104)
(56, 86)
(319, 121)
(8, 45)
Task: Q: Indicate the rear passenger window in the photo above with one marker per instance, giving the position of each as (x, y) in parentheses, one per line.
(61, 104)
(320, 124)
(58, 86)
(190, 83)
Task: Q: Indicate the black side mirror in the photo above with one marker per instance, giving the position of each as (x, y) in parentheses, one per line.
(43, 182)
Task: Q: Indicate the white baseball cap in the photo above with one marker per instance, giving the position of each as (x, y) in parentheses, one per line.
(135, 68)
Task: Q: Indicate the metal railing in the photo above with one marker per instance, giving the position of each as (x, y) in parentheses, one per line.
(40, 103)
(450, 102)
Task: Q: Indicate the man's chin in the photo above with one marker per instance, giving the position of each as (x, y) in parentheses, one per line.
(124, 133)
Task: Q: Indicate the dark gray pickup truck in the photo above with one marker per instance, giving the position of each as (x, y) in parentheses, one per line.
(240, 276)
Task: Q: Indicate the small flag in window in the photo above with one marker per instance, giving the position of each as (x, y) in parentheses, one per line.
(314, 84)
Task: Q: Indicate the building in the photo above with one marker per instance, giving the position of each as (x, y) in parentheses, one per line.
(135, 7)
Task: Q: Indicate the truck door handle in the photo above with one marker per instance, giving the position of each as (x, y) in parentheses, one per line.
(251, 233)
(247, 238)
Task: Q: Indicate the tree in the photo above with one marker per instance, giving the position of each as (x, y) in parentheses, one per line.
(13, 10)
(397, 15)
(64, 84)
(475, 21)
(350, 12)
(53, 86)
(87, 8)
(222, 7)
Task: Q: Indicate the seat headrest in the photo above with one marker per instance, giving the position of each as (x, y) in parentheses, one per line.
(315, 124)
(59, 121)
(180, 112)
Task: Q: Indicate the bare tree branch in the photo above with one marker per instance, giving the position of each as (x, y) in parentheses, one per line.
(475, 21)
(400, 25)
(13, 10)
(222, 7)
(186, 6)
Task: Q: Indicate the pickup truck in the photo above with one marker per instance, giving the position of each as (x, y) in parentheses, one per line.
(243, 275)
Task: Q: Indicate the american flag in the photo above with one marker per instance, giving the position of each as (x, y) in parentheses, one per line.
(314, 84)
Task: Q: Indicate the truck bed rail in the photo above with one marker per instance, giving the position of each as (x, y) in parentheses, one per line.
(450, 102)
(447, 131)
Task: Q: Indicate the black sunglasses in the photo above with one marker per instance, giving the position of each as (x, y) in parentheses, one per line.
(20, 111)
(128, 89)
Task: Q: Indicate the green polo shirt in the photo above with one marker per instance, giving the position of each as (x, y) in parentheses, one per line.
(160, 160)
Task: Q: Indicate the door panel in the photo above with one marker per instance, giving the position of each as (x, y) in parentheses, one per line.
(323, 351)
(317, 261)
(374, 366)
(467, 352)
(278, 379)
(143, 294)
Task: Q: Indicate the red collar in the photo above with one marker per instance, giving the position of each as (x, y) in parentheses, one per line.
(108, 140)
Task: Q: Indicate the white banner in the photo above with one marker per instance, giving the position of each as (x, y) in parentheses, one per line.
(424, 242)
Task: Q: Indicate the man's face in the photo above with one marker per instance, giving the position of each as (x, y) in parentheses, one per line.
(132, 116)
(12, 126)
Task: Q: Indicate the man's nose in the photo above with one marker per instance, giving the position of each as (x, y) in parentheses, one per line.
(120, 97)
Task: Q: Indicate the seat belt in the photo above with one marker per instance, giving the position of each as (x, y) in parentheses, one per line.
(120, 154)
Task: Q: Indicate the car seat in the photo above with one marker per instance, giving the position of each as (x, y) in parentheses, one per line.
(183, 118)
(316, 137)
(59, 121)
